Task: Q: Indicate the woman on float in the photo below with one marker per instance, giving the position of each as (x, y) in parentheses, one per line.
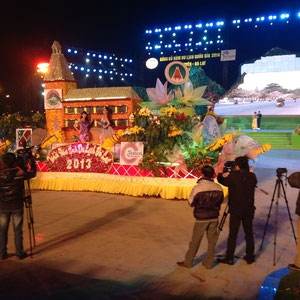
(83, 126)
(106, 131)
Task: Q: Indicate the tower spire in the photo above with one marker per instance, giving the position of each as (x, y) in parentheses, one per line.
(58, 66)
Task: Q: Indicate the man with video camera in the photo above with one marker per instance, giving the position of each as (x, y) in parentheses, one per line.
(12, 196)
(294, 181)
(241, 185)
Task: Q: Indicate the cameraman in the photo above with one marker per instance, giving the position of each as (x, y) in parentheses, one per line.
(12, 195)
(294, 181)
(206, 198)
(241, 185)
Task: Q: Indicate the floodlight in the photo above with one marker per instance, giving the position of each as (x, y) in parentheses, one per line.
(151, 63)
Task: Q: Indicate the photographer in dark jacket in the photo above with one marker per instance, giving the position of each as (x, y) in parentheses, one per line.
(12, 195)
(294, 181)
(241, 185)
(206, 198)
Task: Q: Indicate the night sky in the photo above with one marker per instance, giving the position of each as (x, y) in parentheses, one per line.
(28, 28)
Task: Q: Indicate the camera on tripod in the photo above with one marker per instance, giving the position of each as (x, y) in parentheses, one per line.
(281, 171)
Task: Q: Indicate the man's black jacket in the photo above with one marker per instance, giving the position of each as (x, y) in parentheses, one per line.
(241, 187)
(12, 187)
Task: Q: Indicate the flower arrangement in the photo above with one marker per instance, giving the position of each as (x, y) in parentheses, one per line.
(151, 162)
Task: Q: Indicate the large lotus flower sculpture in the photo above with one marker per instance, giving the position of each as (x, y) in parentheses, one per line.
(190, 96)
(159, 95)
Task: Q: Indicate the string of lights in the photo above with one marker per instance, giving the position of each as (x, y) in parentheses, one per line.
(190, 38)
(94, 64)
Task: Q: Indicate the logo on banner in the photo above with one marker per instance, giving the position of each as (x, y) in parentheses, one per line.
(177, 72)
(23, 137)
(80, 157)
(227, 55)
(53, 99)
(131, 153)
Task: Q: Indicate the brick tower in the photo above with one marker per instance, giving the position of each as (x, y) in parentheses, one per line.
(58, 81)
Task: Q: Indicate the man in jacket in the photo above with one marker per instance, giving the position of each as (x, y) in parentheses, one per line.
(206, 198)
(241, 185)
(12, 195)
(294, 181)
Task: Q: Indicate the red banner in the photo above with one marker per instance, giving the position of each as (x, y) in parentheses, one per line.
(80, 157)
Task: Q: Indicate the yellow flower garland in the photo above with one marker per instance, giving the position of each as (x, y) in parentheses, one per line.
(221, 142)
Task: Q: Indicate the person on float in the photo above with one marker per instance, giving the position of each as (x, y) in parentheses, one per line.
(84, 125)
(106, 131)
(254, 121)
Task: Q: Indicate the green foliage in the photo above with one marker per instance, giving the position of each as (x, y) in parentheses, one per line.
(141, 91)
(151, 162)
(160, 134)
(197, 157)
(10, 122)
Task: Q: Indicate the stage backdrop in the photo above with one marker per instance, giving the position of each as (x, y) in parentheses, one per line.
(270, 84)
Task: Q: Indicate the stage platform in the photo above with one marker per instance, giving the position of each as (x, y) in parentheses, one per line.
(168, 188)
(121, 179)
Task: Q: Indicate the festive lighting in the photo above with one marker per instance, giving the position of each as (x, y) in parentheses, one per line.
(42, 68)
(151, 63)
(284, 16)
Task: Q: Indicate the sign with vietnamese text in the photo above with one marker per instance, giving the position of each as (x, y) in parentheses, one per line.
(228, 55)
(131, 153)
(80, 157)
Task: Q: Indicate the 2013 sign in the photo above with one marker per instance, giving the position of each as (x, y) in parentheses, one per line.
(80, 157)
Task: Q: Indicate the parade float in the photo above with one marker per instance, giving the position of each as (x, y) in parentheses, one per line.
(158, 147)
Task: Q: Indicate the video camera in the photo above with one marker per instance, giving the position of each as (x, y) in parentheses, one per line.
(25, 157)
(281, 171)
(229, 166)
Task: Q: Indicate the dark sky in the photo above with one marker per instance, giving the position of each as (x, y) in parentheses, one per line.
(28, 28)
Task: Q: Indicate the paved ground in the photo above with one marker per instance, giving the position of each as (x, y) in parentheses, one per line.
(103, 246)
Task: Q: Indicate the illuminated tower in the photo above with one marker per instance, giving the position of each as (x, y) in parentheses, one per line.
(58, 81)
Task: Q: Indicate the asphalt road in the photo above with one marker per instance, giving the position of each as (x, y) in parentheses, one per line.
(266, 108)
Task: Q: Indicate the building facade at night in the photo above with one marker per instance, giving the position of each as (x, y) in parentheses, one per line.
(63, 110)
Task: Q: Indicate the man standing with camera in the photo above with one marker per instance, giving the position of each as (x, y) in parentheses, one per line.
(206, 198)
(12, 196)
(294, 181)
(241, 185)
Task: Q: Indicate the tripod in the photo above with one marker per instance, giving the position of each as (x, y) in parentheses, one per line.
(29, 214)
(277, 192)
(223, 219)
